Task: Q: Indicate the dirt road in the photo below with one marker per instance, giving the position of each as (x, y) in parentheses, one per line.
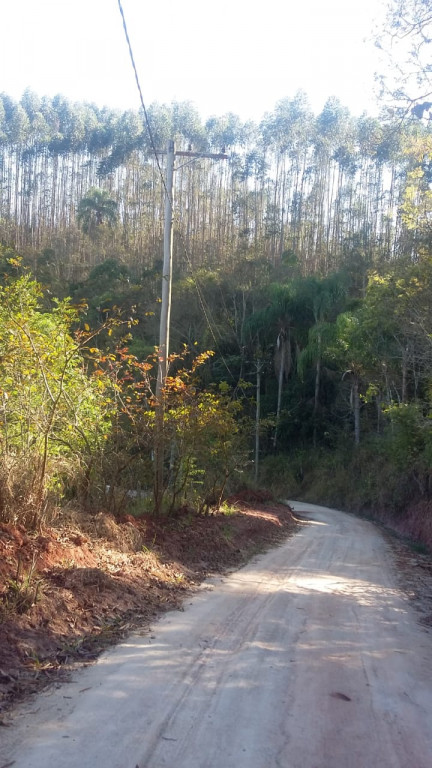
(309, 657)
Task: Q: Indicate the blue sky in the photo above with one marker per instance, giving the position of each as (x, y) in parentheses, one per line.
(231, 55)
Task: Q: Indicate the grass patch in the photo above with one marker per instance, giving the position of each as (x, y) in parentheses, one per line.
(22, 591)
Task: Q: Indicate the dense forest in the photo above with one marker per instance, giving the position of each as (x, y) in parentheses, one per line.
(301, 326)
(310, 187)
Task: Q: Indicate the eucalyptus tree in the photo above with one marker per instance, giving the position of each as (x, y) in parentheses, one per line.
(416, 203)
(287, 137)
(333, 129)
(293, 183)
(18, 126)
(405, 38)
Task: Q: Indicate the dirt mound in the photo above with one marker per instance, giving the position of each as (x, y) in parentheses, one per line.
(69, 592)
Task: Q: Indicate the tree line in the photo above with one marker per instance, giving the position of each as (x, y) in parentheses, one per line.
(299, 186)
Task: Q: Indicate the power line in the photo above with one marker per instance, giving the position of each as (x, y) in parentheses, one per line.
(205, 309)
(137, 80)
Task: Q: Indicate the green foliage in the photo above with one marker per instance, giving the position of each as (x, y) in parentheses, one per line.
(283, 475)
(409, 435)
(22, 592)
(202, 434)
(206, 441)
(53, 415)
(408, 445)
(108, 272)
(96, 209)
(79, 415)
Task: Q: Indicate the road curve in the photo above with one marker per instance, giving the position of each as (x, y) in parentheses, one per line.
(309, 657)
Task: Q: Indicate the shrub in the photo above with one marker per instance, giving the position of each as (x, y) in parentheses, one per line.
(53, 416)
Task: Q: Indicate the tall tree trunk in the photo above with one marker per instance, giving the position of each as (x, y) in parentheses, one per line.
(257, 417)
(317, 388)
(356, 409)
(283, 344)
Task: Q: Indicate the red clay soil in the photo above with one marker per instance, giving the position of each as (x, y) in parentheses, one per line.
(70, 591)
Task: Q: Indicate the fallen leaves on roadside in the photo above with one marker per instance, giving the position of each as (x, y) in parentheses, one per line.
(103, 578)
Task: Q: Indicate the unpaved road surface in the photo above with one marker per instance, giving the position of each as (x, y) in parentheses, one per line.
(309, 657)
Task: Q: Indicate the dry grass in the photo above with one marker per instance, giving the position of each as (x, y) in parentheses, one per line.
(125, 535)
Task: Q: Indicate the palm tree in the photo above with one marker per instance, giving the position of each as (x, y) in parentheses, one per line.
(96, 209)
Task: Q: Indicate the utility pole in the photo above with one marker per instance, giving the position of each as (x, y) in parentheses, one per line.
(163, 351)
(164, 329)
(167, 272)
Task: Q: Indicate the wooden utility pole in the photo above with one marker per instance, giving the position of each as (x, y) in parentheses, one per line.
(164, 330)
(167, 271)
(163, 351)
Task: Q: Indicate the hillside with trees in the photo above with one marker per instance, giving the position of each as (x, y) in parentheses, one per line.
(303, 261)
(300, 324)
